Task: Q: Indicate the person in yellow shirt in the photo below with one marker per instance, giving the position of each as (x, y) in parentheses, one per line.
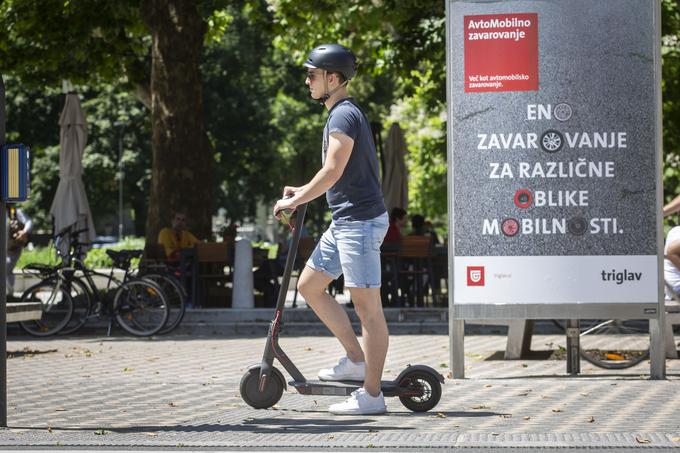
(176, 238)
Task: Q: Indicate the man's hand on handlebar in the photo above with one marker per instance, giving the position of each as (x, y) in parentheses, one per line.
(284, 204)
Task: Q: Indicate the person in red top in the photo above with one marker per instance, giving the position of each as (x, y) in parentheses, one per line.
(398, 221)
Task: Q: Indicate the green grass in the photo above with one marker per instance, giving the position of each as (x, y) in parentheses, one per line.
(96, 258)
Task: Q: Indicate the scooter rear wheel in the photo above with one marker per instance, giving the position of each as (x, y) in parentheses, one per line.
(427, 390)
(250, 389)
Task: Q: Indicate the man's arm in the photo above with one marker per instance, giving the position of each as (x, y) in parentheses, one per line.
(672, 207)
(339, 150)
(165, 240)
(193, 240)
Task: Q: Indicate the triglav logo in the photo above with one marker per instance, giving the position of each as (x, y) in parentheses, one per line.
(475, 275)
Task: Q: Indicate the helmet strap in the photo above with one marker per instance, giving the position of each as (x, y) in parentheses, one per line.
(328, 94)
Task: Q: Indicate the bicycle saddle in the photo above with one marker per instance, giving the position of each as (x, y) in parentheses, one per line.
(122, 258)
(41, 269)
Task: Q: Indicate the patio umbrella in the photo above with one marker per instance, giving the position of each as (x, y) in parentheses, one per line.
(395, 176)
(70, 207)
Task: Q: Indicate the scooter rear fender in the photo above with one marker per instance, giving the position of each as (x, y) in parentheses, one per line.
(423, 368)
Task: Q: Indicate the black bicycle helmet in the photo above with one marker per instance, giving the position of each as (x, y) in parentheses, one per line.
(333, 58)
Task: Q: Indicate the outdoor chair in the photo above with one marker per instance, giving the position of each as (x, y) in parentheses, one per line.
(212, 273)
(415, 268)
(389, 266)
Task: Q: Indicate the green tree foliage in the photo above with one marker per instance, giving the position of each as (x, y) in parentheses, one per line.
(401, 47)
(112, 113)
(82, 40)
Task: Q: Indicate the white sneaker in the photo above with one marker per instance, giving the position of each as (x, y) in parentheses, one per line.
(345, 370)
(360, 403)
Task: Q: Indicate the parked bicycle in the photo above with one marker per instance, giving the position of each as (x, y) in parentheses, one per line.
(167, 278)
(613, 344)
(138, 305)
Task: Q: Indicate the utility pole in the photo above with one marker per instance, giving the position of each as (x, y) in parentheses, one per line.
(3, 279)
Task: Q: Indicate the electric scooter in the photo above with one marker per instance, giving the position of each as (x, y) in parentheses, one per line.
(418, 386)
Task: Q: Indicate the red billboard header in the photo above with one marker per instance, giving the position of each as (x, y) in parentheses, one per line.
(501, 52)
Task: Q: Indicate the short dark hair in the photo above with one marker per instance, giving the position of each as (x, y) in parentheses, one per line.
(417, 221)
(397, 213)
(341, 77)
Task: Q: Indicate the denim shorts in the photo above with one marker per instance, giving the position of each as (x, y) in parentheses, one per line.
(352, 248)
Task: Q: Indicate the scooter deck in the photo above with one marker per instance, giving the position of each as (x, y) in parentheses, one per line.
(340, 388)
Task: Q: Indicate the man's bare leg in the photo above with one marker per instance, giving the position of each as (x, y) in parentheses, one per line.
(312, 285)
(375, 335)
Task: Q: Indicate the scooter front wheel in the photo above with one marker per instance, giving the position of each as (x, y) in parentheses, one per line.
(250, 388)
(422, 390)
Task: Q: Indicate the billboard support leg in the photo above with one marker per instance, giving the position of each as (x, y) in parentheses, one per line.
(657, 351)
(457, 347)
(573, 347)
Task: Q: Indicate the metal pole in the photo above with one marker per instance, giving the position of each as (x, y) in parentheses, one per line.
(3, 279)
(120, 185)
(573, 346)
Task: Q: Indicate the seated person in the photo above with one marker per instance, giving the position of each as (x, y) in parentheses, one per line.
(422, 227)
(398, 221)
(671, 262)
(176, 238)
(20, 226)
(417, 225)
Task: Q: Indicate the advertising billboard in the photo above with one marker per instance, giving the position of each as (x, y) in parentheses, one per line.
(554, 158)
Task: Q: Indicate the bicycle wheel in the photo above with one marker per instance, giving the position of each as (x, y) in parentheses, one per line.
(140, 307)
(614, 344)
(176, 298)
(57, 308)
(82, 305)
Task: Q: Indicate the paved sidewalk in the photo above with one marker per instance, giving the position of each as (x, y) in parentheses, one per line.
(183, 391)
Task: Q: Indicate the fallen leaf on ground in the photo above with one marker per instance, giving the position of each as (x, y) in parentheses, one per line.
(481, 406)
(49, 429)
(675, 439)
(127, 369)
(584, 394)
(440, 415)
(506, 415)
(557, 409)
(488, 386)
(308, 348)
(59, 409)
(449, 375)
(527, 417)
(101, 432)
(331, 437)
(591, 419)
(152, 434)
(495, 434)
(642, 440)
(171, 404)
(525, 365)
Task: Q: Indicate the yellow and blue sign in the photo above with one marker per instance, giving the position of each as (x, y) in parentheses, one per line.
(15, 181)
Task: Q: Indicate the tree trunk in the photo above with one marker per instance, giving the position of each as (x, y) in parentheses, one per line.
(181, 178)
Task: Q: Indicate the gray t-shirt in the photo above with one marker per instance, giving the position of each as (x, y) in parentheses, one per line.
(357, 194)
